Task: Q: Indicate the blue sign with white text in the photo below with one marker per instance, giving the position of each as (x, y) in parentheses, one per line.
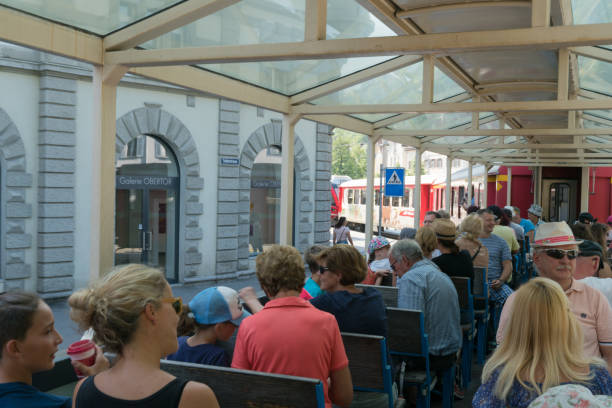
(394, 182)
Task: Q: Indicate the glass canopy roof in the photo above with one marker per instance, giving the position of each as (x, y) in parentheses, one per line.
(592, 11)
(97, 16)
(595, 75)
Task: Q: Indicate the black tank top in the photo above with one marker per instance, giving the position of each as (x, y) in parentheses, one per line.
(169, 396)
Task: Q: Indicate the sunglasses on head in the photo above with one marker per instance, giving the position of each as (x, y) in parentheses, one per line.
(175, 302)
(560, 253)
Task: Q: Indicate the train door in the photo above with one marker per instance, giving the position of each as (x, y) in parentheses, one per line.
(559, 199)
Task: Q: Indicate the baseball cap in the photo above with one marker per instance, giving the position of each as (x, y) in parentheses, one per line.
(585, 216)
(216, 305)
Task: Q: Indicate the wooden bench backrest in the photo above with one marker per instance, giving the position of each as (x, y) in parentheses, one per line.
(462, 285)
(404, 331)
(480, 283)
(61, 374)
(245, 389)
(389, 293)
(365, 354)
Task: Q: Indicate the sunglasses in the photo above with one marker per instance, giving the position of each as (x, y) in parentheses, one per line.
(560, 253)
(322, 269)
(175, 302)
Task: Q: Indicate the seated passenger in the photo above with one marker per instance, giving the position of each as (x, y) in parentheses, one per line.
(542, 349)
(379, 270)
(279, 338)
(28, 343)
(426, 238)
(356, 310)
(133, 313)
(312, 285)
(214, 314)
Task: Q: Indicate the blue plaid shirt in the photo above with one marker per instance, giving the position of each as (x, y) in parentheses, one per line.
(424, 287)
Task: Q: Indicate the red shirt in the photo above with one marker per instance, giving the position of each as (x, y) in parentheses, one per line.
(290, 336)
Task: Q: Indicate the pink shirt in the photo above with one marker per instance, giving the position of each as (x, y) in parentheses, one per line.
(590, 308)
(290, 336)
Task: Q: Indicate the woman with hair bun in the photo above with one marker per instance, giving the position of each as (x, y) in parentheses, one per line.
(133, 313)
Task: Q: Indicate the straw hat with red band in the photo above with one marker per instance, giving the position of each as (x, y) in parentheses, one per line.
(554, 234)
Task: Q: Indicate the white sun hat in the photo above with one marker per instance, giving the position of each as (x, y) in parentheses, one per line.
(554, 234)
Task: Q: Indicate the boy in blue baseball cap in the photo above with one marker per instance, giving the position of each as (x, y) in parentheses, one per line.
(213, 314)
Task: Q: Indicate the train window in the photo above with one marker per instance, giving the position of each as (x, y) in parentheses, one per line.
(363, 197)
(559, 205)
(377, 197)
(385, 201)
(356, 198)
(395, 202)
(349, 197)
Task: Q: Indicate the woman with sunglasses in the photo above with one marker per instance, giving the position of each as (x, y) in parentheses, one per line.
(133, 313)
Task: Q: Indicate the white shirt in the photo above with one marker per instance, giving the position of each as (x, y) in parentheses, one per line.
(604, 285)
(380, 265)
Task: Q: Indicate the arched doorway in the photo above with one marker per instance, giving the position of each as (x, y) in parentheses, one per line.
(146, 215)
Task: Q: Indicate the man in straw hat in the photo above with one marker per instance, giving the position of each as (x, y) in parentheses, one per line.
(555, 252)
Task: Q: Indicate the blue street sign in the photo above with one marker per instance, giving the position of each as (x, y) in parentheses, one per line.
(394, 182)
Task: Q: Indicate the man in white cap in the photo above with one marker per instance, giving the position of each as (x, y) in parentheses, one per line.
(555, 252)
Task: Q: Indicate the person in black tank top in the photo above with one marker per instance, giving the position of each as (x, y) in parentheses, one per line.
(133, 313)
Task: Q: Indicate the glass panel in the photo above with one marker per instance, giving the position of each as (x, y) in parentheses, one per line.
(129, 227)
(265, 201)
(595, 75)
(348, 19)
(435, 121)
(145, 155)
(291, 77)
(444, 87)
(592, 11)
(401, 86)
(99, 16)
(373, 117)
(160, 239)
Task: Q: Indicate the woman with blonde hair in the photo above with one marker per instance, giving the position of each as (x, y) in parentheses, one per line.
(470, 229)
(426, 238)
(542, 349)
(133, 313)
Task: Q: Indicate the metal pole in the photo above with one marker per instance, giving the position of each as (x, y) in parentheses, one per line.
(380, 203)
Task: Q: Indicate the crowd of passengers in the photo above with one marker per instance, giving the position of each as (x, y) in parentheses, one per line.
(554, 340)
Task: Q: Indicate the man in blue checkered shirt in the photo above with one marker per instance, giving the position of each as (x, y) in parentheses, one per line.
(422, 286)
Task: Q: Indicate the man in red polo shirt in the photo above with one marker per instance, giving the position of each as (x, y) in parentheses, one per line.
(289, 335)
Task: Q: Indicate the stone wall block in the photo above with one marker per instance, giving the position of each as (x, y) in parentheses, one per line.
(55, 195)
(192, 221)
(227, 208)
(305, 227)
(153, 115)
(321, 226)
(323, 175)
(322, 195)
(244, 218)
(227, 219)
(57, 83)
(323, 128)
(122, 132)
(229, 172)
(227, 232)
(164, 122)
(228, 184)
(46, 285)
(227, 105)
(56, 152)
(56, 166)
(8, 133)
(227, 267)
(322, 216)
(56, 224)
(192, 158)
(15, 195)
(246, 161)
(192, 258)
(243, 229)
(257, 141)
(243, 206)
(56, 180)
(229, 255)
(18, 271)
(193, 170)
(306, 185)
(228, 127)
(182, 136)
(13, 150)
(195, 183)
(194, 208)
(243, 264)
(57, 124)
(55, 254)
(322, 186)
(324, 147)
(227, 243)
(228, 150)
(140, 115)
(55, 240)
(58, 97)
(244, 173)
(57, 111)
(130, 124)
(194, 233)
(322, 237)
(322, 206)
(189, 147)
(18, 179)
(228, 195)
(16, 241)
(15, 226)
(305, 206)
(228, 116)
(18, 210)
(50, 270)
(55, 210)
(16, 164)
(229, 138)
(15, 256)
(245, 195)
(245, 183)
(249, 152)
(324, 138)
(323, 165)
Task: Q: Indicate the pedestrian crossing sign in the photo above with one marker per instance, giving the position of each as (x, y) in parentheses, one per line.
(394, 182)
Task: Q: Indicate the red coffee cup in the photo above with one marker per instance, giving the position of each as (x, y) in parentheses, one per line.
(83, 351)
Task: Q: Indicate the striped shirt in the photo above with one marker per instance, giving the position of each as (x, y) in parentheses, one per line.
(424, 287)
(498, 252)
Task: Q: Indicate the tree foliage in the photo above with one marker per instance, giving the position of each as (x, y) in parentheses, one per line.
(349, 154)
